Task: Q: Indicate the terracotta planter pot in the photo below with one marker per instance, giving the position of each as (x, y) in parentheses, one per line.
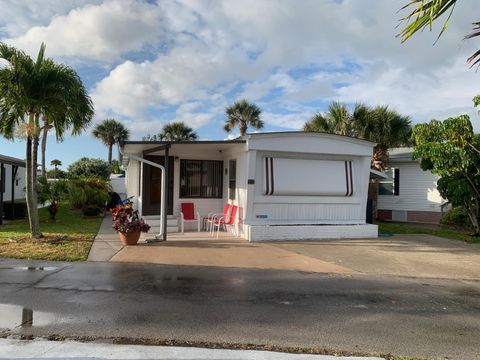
(129, 238)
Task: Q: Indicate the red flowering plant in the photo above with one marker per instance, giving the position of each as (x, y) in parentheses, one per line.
(126, 219)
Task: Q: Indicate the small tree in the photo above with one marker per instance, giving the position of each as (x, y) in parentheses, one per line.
(243, 114)
(450, 149)
(111, 132)
(52, 192)
(56, 163)
(90, 168)
(175, 131)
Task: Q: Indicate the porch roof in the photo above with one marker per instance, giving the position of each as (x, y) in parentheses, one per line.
(132, 147)
(12, 161)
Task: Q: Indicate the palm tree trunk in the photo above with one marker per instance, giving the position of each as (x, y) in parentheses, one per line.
(31, 175)
(243, 128)
(380, 157)
(46, 128)
(110, 146)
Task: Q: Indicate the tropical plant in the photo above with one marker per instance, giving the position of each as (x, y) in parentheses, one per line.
(31, 90)
(56, 163)
(111, 132)
(451, 150)
(425, 12)
(88, 192)
(243, 114)
(385, 127)
(178, 131)
(175, 131)
(380, 124)
(51, 192)
(337, 120)
(56, 174)
(86, 167)
(125, 219)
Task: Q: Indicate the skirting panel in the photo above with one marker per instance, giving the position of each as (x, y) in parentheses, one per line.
(309, 232)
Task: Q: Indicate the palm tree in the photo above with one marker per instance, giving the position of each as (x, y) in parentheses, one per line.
(425, 12)
(337, 120)
(178, 131)
(243, 114)
(30, 90)
(111, 132)
(56, 163)
(79, 119)
(387, 129)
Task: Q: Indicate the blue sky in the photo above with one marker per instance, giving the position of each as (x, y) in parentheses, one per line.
(149, 63)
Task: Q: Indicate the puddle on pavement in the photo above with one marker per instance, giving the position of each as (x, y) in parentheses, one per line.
(18, 317)
(35, 268)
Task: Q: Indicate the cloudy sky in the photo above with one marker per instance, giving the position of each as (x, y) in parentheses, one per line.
(147, 63)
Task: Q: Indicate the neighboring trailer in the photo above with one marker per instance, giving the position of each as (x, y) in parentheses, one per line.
(12, 184)
(409, 194)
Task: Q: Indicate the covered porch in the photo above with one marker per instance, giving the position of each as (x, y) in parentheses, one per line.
(203, 173)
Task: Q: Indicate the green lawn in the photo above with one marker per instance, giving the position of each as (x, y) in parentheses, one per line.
(68, 239)
(440, 231)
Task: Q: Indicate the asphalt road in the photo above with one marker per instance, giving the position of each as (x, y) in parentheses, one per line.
(404, 316)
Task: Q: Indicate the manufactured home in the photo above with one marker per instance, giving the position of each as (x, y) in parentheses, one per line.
(408, 194)
(12, 183)
(286, 186)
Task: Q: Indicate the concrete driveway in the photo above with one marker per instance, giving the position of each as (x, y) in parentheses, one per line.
(423, 256)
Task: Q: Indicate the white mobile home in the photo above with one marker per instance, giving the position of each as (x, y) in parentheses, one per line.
(408, 193)
(287, 186)
(12, 182)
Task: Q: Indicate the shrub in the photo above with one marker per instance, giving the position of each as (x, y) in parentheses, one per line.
(115, 167)
(88, 192)
(456, 216)
(51, 191)
(60, 174)
(86, 167)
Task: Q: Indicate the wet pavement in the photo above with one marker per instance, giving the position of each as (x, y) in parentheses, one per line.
(368, 314)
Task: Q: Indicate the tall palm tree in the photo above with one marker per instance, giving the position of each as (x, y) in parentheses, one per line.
(385, 127)
(56, 163)
(31, 89)
(337, 120)
(78, 120)
(111, 132)
(178, 131)
(243, 114)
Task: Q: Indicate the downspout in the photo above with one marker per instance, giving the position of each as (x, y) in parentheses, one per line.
(162, 235)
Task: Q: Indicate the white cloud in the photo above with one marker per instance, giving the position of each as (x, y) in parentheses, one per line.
(102, 32)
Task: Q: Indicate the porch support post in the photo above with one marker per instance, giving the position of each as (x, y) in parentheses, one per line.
(166, 193)
(14, 175)
(2, 189)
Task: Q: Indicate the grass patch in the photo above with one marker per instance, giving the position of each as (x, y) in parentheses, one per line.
(455, 234)
(67, 239)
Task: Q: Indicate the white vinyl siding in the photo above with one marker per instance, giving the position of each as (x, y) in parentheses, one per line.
(418, 190)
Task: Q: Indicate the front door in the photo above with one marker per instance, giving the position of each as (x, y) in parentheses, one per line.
(152, 179)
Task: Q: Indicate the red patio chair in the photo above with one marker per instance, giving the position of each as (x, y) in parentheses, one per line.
(187, 214)
(225, 221)
(211, 216)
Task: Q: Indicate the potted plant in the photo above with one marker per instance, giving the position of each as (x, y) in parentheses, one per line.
(128, 224)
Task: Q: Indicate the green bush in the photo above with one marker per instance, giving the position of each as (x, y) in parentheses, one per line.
(88, 192)
(456, 216)
(115, 167)
(60, 174)
(86, 167)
